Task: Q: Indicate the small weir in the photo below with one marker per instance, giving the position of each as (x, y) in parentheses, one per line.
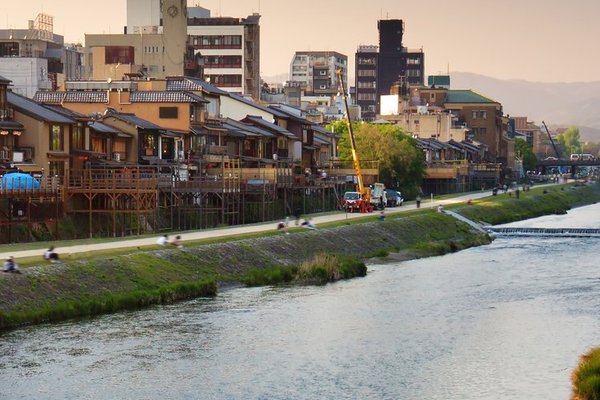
(562, 232)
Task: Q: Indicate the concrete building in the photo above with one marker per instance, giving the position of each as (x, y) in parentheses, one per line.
(318, 70)
(36, 58)
(155, 51)
(378, 68)
(228, 50)
(176, 40)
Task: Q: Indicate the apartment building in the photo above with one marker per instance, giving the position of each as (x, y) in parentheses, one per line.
(37, 58)
(378, 68)
(317, 69)
(228, 50)
(166, 38)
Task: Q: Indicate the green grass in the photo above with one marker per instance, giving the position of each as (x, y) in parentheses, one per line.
(586, 378)
(106, 281)
(85, 307)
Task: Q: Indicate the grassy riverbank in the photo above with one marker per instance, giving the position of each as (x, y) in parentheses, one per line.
(586, 378)
(128, 279)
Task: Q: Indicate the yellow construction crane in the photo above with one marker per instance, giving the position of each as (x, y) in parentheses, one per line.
(365, 192)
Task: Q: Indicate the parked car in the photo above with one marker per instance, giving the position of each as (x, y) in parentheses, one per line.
(394, 198)
(351, 201)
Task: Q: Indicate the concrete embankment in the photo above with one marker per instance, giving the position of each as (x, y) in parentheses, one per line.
(105, 282)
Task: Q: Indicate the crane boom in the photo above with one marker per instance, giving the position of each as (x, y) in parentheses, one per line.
(360, 186)
(551, 140)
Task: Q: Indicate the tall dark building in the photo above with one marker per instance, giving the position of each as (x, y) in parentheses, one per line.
(378, 69)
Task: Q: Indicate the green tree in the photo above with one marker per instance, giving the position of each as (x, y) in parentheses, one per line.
(401, 163)
(570, 140)
(525, 152)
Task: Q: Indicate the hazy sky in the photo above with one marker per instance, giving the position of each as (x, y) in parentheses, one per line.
(535, 40)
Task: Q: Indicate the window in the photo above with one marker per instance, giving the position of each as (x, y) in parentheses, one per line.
(474, 114)
(367, 85)
(413, 61)
(167, 112)
(220, 41)
(56, 138)
(483, 114)
(57, 168)
(119, 55)
(322, 72)
(77, 139)
(149, 145)
(366, 72)
(366, 96)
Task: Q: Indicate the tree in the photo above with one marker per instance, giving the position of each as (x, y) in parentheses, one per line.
(570, 140)
(401, 163)
(525, 152)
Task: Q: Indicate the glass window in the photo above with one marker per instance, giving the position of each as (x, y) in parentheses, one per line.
(77, 139)
(56, 138)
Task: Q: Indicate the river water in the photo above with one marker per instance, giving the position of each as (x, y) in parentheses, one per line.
(503, 321)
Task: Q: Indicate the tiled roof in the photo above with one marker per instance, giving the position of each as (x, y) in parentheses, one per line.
(187, 84)
(166, 97)
(11, 125)
(251, 103)
(42, 96)
(250, 128)
(287, 114)
(269, 125)
(320, 129)
(55, 97)
(35, 110)
(133, 120)
(103, 128)
(86, 97)
(66, 112)
(467, 96)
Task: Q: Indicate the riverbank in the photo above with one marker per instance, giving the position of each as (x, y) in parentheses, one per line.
(107, 282)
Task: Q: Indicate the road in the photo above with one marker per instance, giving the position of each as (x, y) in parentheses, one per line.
(238, 229)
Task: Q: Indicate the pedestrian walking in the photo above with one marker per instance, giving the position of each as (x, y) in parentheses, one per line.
(418, 200)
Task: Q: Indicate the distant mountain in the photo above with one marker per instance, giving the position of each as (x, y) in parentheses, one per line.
(558, 104)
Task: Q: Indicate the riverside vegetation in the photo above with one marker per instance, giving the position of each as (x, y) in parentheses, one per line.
(105, 282)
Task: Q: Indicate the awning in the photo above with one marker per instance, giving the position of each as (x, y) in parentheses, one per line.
(27, 167)
(171, 134)
(11, 126)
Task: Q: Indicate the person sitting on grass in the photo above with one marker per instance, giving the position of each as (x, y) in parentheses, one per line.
(11, 266)
(51, 255)
(177, 242)
(308, 224)
(163, 240)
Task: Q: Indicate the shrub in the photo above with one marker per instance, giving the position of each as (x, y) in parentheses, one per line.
(586, 378)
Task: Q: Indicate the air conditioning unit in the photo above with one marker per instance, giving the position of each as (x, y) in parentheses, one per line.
(117, 156)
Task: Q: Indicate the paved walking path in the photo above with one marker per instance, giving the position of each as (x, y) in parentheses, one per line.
(238, 229)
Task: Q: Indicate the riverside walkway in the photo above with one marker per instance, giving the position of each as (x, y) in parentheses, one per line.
(123, 243)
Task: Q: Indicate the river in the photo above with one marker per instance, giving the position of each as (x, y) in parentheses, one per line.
(503, 321)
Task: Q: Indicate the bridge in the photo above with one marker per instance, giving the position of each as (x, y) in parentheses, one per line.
(553, 232)
(573, 165)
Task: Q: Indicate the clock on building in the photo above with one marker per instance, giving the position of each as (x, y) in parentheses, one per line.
(173, 11)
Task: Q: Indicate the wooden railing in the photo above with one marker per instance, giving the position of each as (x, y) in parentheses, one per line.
(109, 179)
(40, 187)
